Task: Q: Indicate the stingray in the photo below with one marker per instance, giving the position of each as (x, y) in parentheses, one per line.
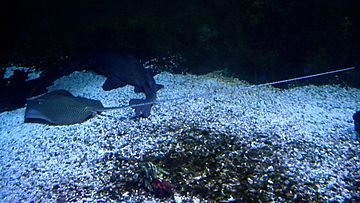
(60, 107)
(122, 69)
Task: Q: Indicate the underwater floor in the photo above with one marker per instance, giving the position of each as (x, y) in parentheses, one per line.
(254, 145)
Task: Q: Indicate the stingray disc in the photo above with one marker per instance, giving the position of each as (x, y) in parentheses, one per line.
(61, 108)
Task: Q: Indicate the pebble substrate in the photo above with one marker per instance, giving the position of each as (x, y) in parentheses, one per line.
(300, 141)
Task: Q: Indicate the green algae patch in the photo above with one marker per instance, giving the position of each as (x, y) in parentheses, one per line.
(211, 167)
(221, 167)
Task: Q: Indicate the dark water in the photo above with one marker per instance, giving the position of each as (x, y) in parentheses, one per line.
(255, 40)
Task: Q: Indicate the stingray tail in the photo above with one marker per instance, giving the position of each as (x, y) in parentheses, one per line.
(141, 110)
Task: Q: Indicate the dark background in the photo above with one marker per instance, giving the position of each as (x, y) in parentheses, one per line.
(257, 40)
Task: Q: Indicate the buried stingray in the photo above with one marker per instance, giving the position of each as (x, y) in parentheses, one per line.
(60, 107)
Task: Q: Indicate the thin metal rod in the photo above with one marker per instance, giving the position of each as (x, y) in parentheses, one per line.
(305, 77)
(249, 87)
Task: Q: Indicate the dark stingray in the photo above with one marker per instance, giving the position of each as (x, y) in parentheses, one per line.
(120, 70)
(60, 107)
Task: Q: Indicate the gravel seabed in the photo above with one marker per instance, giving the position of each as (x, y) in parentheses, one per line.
(44, 163)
